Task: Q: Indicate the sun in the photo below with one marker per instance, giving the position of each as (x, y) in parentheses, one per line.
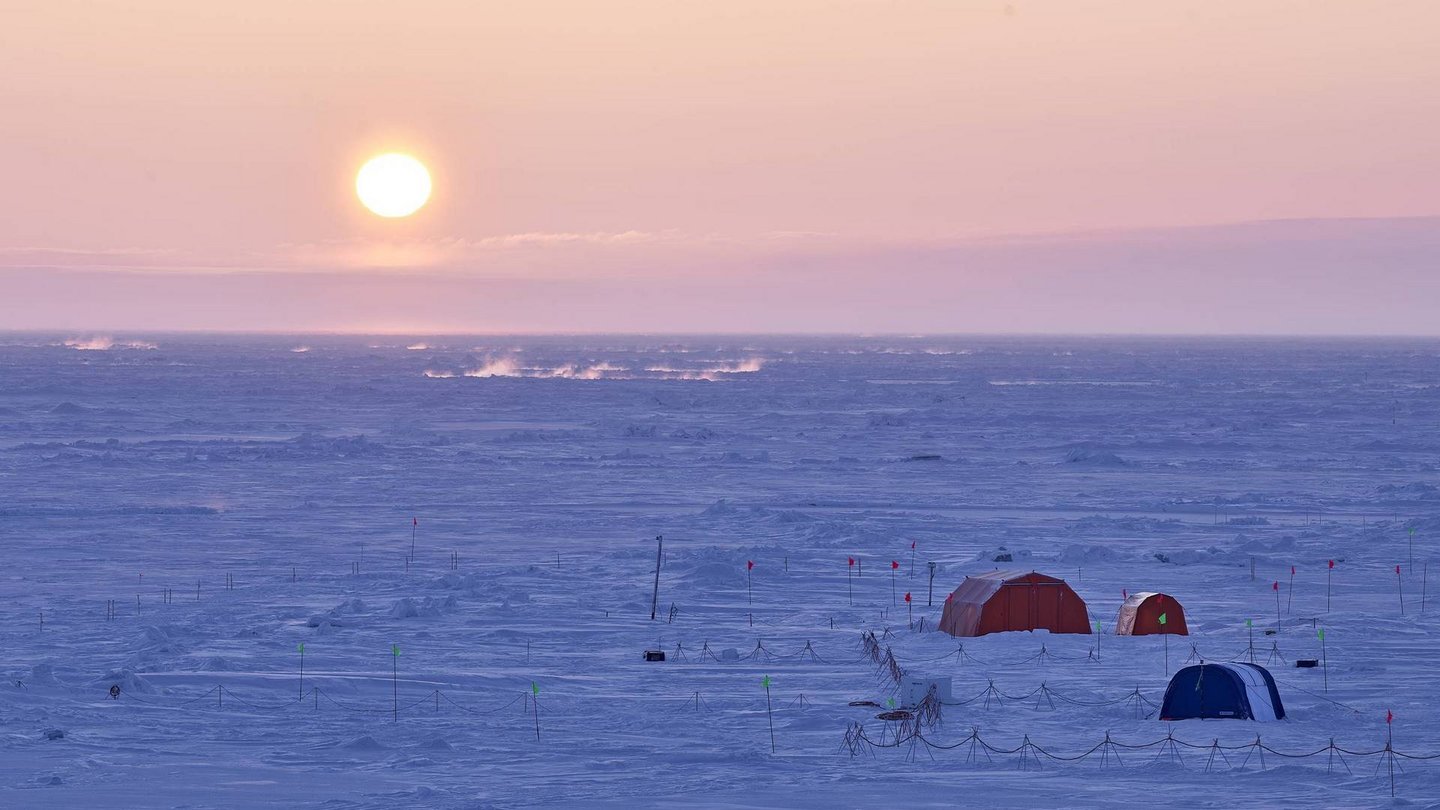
(393, 185)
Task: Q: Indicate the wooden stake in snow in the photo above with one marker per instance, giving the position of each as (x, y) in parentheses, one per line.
(910, 610)
(535, 690)
(894, 566)
(655, 597)
(912, 559)
(768, 712)
(1290, 598)
(849, 582)
(749, 595)
(930, 595)
(1324, 661)
(1328, 569)
(1400, 589)
(414, 526)
(302, 671)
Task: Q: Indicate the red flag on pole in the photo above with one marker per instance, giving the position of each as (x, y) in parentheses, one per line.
(907, 596)
(852, 562)
(414, 521)
(912, 545)
(1332, 563)
(1388, 717)
(1292, 570)
(1275, 586)
(894, 565)
(1397, 570)
(749, 564)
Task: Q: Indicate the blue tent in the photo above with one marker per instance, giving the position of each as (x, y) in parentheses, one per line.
(1230, 691)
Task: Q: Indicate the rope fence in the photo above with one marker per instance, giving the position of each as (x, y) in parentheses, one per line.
(1029, 754)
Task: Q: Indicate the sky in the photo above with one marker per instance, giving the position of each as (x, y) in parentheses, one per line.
(1130, 166)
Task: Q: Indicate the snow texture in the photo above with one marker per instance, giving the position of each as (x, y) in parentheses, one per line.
(181, 514)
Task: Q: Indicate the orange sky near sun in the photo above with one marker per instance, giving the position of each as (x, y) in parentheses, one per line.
(583, 140)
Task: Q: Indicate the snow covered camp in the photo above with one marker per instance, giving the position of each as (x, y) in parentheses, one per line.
(340, 578)
(1006, 601)
(1146, 613)
(1237, 691)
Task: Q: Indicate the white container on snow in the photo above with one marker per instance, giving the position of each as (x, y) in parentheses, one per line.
(915, 687)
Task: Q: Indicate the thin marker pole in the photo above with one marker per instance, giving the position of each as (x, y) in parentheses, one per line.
(655, 597)
(1400, 589)
(769, 713)
(395, 683)
(1324, 661)
(1276, 588)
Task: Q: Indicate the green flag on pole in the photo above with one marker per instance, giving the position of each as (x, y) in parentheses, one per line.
(890, 702)
(765, 681)
(302, 648)
(1247, 623)
(395, 649)
(1321, 633)
(1097, 625)
(534, 687)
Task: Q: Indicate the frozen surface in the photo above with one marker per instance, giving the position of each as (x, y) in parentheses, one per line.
(135, 465)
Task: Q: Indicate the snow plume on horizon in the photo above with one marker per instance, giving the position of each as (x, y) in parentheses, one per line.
(712, 373)
(510, 366)
(300, 349)
(101, 343)
(496, 367)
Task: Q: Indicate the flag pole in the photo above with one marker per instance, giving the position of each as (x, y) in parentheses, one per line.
(1276, 588)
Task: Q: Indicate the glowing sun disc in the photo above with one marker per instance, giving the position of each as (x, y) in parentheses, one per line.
(393, 185)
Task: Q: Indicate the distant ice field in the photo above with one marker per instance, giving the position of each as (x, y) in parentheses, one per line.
(180, 513)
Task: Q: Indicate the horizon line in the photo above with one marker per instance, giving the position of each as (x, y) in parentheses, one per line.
(107, 332)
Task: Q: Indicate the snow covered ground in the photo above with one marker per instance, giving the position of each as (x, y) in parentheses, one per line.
(231, 499)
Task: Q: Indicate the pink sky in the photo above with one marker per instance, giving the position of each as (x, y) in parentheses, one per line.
(788, 165)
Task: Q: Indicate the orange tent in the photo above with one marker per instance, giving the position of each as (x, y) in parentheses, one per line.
(1013, 600)
(1140, 616)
